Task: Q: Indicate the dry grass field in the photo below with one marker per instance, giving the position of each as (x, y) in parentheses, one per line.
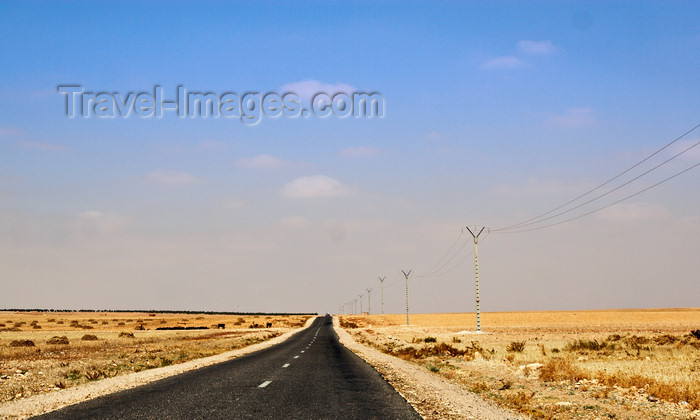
(45, 351)
(568, 364)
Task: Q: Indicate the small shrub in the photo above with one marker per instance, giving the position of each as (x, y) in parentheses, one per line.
(59, 322)
(519, 400)
(73, 374)
(433, 368)
(430, 339)
(560, 370)
(589, 345)
(58, 340)
(695, 334)
(479, 387)
(126, 334)
(36, 327)
(22, 343)
(93, 375)
(456, 340)
(89, 337)
(121, 324)
(516, 347)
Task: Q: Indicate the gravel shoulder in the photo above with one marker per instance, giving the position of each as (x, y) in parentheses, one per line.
(44, 403)
(431, 395)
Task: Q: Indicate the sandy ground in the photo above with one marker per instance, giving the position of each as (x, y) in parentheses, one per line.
(431, 395)
(43, 403)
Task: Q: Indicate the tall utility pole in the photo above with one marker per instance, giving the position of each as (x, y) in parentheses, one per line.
(405, 274)
(362, 294)
(381, 280)
(476, 276)
(369, 301)
(355, 307)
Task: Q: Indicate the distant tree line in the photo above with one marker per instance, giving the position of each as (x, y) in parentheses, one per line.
(161, 311)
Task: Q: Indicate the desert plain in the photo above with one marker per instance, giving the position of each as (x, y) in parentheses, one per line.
(556, 364)
(42, 352)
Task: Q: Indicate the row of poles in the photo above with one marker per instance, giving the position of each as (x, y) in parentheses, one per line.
(353, 303)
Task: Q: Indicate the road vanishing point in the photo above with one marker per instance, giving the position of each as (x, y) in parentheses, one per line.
(308, 376)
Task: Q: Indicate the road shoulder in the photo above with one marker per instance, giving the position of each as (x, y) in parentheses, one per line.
(432, 396)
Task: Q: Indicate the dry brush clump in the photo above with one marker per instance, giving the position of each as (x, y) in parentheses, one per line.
(56, 340)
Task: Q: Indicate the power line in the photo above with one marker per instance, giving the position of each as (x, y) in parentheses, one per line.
(608, 192)
(609, 205)
(534, 220)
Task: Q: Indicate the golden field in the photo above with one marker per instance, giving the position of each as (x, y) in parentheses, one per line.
(558, 364)
(45, 351)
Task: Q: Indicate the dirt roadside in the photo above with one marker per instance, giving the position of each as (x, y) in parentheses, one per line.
(431, 395)
(44, 403)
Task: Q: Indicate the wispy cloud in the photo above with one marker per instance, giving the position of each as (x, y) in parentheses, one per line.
(539, 187)
(505, 62)
(536, 47)
(174, 178)
(261, 162)
(42, 146)
(362, 151)
(574, 118)
(634, 212)
(306, 89)
(313, 187)
(295, 222)
(94, 221)
(10, 131)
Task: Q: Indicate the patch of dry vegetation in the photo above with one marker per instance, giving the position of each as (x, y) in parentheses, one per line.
(60, 354)
(588, 364)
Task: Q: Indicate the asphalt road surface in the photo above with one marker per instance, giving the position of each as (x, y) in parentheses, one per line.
(309, 376)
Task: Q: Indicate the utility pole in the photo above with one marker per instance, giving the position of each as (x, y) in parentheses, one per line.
(369, 301)
(354, 308)
(405, 274)
(381, 280)
(362, 294)
(476, 276)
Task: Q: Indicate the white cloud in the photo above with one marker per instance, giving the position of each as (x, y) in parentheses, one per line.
(506, 62)
(261, 161)
(359, 151)
(314, 186)
(575, 118)
(306, 89)
(536, 47)
(175, 178)
(42, 146)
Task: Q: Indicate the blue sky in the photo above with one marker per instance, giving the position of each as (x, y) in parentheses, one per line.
(494, 112)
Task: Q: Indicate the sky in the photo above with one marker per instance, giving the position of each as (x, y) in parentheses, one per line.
(492, 113)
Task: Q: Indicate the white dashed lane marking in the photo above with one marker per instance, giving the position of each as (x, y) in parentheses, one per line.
(264, 384)
(296, 357)
(285, 365)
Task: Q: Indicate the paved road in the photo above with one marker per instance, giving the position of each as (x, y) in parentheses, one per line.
(309, 376)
